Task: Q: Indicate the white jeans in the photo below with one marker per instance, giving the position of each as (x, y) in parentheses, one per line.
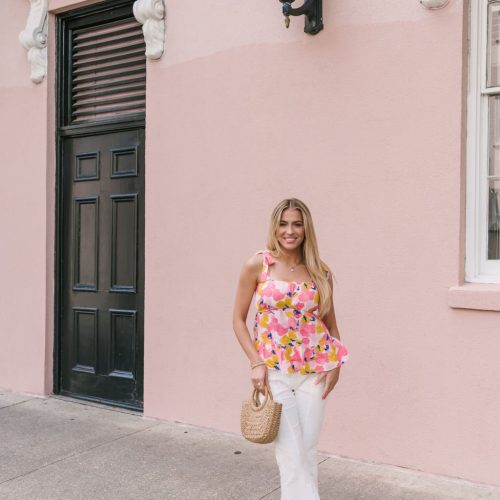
(301, 421)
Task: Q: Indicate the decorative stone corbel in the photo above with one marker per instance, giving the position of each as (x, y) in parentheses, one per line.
(434, 4)
(34, 39)
(151, 14)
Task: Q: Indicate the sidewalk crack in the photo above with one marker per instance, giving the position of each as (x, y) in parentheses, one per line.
(15, 404)
(79, 452)
(270, 493)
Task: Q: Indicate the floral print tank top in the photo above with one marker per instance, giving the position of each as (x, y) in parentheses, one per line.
(288, 334)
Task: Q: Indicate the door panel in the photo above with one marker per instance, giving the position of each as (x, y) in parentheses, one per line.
(102, 289)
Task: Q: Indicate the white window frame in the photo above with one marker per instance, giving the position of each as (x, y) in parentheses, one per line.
(478, 269)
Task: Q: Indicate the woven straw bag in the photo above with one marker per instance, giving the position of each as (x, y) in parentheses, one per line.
(260, 422)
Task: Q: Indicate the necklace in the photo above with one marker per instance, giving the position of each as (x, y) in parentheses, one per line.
(292, 268)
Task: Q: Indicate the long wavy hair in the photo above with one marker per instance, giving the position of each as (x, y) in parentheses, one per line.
(310, 254)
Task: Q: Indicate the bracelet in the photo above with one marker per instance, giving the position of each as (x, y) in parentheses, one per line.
(254, 365)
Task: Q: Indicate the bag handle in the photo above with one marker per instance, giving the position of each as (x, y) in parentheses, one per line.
(257, 406)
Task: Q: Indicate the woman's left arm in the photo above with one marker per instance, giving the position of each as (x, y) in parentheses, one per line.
(331, 377)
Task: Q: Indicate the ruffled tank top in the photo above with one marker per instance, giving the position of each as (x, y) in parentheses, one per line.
(288, 333)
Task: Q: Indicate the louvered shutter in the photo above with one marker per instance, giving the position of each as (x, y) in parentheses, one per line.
(108, 71)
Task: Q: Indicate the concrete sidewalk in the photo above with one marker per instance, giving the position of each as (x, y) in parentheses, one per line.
(57, 448)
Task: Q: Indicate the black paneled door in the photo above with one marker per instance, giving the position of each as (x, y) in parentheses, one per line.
(102, 275)
(101, 95)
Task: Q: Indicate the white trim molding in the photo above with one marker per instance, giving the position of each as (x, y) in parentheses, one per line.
(478, 267)
(151, 14)
(434, 4)
(34, 39)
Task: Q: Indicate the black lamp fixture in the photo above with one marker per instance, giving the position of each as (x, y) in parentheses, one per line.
(312, 9)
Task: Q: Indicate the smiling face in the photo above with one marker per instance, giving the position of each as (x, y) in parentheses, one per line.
(290, 232)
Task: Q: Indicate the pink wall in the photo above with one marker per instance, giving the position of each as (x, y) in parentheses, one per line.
(23, 217)
(364, 123)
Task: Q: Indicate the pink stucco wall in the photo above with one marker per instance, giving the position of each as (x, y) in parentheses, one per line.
(364, 122)
(23, 215)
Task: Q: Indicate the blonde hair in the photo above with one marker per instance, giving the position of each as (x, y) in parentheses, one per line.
(310, 255)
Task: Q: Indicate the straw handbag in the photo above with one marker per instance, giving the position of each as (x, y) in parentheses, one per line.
(260, 422)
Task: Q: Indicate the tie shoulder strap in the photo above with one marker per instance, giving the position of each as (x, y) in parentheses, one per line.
(266, 261)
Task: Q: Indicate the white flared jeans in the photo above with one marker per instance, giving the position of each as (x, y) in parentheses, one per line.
(300, 427)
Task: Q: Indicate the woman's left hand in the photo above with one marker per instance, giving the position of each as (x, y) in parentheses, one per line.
(332, 377)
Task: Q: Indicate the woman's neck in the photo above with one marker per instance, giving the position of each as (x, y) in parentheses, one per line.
(291, 257)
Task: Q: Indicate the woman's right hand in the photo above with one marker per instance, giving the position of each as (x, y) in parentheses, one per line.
(259, 376)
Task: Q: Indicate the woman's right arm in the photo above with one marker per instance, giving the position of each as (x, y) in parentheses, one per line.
(246, 287)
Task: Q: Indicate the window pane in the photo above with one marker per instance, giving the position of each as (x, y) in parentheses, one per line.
(494, 135)
(493, 70)
(494, 179)
(494, 221)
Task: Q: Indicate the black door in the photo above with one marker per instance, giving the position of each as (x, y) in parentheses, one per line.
(103, 260)
(101, 205)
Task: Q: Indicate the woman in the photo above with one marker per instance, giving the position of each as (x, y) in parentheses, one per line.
(296, 345)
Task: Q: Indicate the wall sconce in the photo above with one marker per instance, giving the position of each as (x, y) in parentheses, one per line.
(434, 4)
(312, 9)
